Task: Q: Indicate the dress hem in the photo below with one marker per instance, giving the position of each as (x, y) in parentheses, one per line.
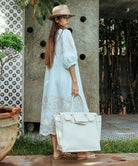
(47, 135)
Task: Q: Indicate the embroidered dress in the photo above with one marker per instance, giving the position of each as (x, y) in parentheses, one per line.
(58, 84)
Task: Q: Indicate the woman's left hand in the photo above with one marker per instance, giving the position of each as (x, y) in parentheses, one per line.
(75, 89)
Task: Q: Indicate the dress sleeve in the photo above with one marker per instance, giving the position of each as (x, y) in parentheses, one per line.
(69, 50)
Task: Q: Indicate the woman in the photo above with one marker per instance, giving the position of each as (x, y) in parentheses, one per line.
(62, 77)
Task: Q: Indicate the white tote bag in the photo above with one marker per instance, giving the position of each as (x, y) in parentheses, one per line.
(78, 131)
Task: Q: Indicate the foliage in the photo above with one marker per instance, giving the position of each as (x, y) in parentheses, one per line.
(12, 42)
(119, 146)
(42, 8)
(31, 146)
(118, 54)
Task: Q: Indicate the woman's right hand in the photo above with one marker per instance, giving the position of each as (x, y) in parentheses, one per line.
(75, 89)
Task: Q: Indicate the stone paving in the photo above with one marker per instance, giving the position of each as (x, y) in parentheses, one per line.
(122, 127)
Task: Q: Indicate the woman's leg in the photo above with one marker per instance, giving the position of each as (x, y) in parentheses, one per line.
(56, 153)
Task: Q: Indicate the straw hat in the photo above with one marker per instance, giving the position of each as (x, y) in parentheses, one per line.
(60, 10)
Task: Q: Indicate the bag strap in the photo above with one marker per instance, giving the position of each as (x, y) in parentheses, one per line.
(99, 132)
(72, 99)
(71, 108)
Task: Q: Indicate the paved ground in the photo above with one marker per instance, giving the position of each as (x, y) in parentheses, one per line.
(119, 159)
(122, 127)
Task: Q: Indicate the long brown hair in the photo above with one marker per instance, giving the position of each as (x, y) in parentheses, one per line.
(51, 43)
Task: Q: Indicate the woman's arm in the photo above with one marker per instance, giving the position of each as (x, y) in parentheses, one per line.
(75, 88)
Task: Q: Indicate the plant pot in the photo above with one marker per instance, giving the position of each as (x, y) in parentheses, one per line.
(8, 128)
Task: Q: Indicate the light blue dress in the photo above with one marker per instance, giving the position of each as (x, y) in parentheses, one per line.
(58, 84)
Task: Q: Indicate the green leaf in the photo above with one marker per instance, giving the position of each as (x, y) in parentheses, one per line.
(43, 8)
(2, 55)
(10, 40)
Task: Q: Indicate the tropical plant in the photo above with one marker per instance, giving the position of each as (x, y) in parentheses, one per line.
(8, 43)
(42, 8)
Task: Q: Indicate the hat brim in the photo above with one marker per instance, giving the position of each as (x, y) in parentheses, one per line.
(54, 16)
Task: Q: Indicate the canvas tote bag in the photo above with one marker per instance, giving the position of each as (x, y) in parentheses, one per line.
(78, 131)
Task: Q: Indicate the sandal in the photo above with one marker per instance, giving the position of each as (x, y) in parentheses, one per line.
(89, 156)
(62, 156)
(66, 154)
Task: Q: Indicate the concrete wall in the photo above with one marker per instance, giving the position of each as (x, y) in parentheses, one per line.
(34, 67)
(86, 38)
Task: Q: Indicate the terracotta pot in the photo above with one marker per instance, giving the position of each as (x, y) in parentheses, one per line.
(8, 128)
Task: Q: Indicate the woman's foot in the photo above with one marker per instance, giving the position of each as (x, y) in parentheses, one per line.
(57, 154)
(85, 155)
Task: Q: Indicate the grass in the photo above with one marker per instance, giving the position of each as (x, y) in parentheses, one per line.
(119, 146)
(29, 146)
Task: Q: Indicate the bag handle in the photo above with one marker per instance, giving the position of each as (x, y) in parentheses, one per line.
(71, 108)
(72, 99)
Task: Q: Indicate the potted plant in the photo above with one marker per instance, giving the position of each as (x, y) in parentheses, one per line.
(8, 114)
